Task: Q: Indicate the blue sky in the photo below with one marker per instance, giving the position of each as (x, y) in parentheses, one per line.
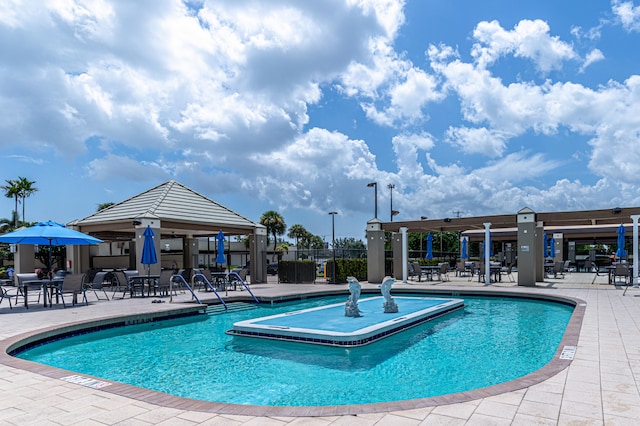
(467, 107)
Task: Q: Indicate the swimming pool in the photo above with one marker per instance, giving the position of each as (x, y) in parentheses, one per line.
(492, 341)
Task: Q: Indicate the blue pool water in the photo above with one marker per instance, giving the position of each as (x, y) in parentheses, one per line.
(492, 340)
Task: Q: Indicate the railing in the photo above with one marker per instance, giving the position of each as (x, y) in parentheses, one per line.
(244, 284)
(180, 278)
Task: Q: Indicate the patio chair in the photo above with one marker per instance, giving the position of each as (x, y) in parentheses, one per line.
(7, 294)
(417, 270)
(444, 272)
(96, 284)
(164, 283)
(509, 272)
(558, 269)
(23, 289)
(621, 271)
(73, 285)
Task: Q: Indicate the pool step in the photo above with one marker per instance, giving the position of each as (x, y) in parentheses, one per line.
(231, 307)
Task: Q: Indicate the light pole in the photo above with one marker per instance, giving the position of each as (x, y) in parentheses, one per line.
(422, 218)
(391, 186)
(333, 244)
(375, 192)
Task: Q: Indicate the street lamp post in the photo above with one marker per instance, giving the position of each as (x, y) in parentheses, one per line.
(333, 244)
(391, 186)
(375, 194)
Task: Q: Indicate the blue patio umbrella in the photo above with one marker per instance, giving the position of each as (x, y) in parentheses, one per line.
(220, 257)
(149, 256)
(429, 246)
(465, 250)
(546, 247)
(552, 247)
(48, 233)
(621, 252)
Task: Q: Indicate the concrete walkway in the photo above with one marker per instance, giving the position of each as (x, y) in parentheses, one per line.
(600, 386)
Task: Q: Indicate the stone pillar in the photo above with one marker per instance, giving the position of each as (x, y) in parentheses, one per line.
(487, 253)
(527, 247)
(24, 259)
(140, 226)
(559, 240)
(190, 252)
(258, 255)
(538, 252)
(396, 244)
(405, 253)
(634, 278)
(375, 251)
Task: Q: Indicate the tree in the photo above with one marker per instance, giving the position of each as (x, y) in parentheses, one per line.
(103, 206)
(275, 225)
(298, 232)
(12, 190)
(25, 189)
(316, 243)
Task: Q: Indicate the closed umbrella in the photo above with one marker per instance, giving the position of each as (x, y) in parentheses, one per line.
(429, 246)
(552, 248)
(149, 256)
(621, 252)
(465, 250)
(220, 257)
(545, 252)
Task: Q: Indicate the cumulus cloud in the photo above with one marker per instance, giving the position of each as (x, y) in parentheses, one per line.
(627, 14)
(528, 39)
(221, 93)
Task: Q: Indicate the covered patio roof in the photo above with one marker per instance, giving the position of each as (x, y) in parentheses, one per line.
(584, 223)
(182, 212)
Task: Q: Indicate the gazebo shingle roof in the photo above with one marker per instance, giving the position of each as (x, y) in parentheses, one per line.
(181, 211)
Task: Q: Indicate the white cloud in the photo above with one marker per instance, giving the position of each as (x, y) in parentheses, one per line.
(627, 14)
(478, 140)
(594, 56)
(529, 39)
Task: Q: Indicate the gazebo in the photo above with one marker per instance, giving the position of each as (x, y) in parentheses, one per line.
(172, 210)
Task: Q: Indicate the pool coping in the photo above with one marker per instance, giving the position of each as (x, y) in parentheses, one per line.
(553, 367)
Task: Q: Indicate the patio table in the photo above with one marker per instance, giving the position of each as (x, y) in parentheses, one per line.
(48, 285)
(141, 281)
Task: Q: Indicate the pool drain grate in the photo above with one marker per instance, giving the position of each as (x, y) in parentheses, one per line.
(86, 381)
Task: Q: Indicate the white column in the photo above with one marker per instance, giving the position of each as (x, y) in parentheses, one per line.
(634, 277)
(405, 253)
(487, 253)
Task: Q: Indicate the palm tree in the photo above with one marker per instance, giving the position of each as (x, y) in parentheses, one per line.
(12, 190)
(26, 189)
(275, 225)
(103, 206)
(298, 232)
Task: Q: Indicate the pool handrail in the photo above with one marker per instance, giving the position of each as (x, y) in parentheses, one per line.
(209, 285)
(178, 277)
(244, 284)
